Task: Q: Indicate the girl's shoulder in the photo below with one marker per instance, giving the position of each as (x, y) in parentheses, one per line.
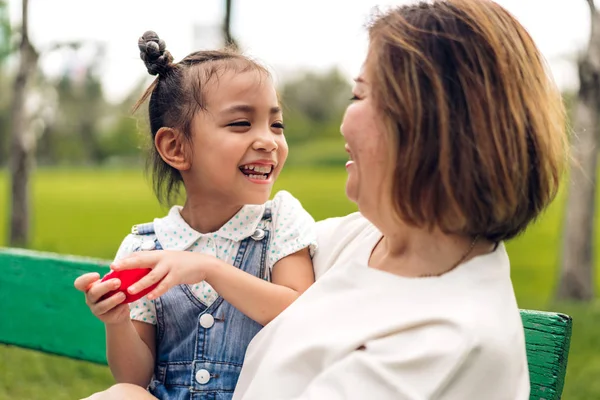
(293, 227)
(142, 236)
(285, 207)
(283, 198)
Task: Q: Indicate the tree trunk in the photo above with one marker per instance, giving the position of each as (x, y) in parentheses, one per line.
(23, 141)
(227, 36)
(577, 278)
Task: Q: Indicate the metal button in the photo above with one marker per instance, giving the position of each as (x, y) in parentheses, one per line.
(202, 376)
(258, 234)
(148, 245)
(207, 321)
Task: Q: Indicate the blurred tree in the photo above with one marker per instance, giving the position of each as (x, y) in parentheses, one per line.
(5, 32)
(5, 50)
(73, 134)
(576, 278)
(22, 138)
(125, 134)
(314, 104)
(227, 36)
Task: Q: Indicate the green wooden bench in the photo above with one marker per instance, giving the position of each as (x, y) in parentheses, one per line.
(41, 310)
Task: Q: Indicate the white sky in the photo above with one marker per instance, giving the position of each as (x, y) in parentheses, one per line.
(284, 34)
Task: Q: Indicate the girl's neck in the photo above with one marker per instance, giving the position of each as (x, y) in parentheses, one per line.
(207, 215)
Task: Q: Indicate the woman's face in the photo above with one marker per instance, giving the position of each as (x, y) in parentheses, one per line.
(369, 168)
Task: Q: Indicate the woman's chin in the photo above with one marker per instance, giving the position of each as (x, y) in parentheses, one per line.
(351, 191)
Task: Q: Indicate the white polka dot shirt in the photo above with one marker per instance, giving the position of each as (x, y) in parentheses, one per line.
(292, 229)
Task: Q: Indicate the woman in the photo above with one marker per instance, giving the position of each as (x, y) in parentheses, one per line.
(456, 141)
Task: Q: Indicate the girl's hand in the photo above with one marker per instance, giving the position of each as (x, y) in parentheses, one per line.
(169, 268)
(110, 310)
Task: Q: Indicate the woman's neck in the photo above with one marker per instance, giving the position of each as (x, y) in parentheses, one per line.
(207, 215)
(416, 252)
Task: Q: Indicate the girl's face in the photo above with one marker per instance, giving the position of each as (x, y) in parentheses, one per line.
(237, 146)
(369, 168)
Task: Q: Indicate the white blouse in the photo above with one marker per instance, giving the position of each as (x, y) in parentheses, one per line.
(361, 333)
(292, 229)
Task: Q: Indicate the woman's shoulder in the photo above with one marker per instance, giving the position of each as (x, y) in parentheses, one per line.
(343, 238)
(353, 222)
(344, 230)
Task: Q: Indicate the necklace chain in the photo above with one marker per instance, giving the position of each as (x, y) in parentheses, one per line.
(460, 261)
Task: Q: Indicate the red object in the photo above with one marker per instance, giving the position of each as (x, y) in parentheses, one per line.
(128, 277)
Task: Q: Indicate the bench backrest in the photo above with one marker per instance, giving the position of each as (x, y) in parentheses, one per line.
(547, 338)
(41, 310)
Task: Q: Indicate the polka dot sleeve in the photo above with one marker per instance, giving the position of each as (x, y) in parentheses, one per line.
(143, 309)
(293, 228)
(127, 246)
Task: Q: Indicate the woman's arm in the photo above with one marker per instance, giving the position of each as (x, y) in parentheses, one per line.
(432, 362)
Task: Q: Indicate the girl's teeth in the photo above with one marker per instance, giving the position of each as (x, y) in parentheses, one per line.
(252, 176)
(263, 169)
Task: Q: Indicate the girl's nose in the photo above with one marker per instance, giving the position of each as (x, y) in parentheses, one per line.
(265, 143)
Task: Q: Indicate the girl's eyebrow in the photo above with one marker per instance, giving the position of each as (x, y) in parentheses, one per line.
(248, 109)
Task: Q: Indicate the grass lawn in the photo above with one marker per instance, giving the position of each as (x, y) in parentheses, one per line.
(88, 212)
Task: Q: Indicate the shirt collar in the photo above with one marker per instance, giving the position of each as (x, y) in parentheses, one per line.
(174, 233)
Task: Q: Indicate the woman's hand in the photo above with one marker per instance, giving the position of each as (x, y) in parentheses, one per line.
(110, 310)
(169, 268)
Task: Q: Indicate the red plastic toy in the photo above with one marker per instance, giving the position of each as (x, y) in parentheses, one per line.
(128, 277)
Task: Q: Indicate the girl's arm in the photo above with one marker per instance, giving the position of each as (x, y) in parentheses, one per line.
(130, 350)
(258, 299)
(129, 345)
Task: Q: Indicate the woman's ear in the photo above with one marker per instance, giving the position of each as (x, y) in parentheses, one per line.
(172, 147)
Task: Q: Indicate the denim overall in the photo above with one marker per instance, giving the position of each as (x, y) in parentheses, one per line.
(199, 349)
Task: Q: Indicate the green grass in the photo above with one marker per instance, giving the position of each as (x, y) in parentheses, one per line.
(88, 212)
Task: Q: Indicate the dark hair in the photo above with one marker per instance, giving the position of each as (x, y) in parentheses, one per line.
(477, 122)
(177, 94)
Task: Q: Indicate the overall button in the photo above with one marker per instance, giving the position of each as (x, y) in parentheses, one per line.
(207, 321)
(258, 234)
(202, 376)
(148, 245)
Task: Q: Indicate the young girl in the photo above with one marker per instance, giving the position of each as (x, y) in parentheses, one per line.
(232, 260)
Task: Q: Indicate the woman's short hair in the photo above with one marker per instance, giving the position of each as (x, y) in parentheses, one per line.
(477, 122)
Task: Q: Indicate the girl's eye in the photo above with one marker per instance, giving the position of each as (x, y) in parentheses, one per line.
(239, 123)
(278, 125)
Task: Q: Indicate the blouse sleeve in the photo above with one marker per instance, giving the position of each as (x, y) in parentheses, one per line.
(142, 310)
(293, 228)
(127, 247)
(430, 363)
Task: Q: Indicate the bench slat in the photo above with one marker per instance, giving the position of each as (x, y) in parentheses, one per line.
(548, 336)
(41, 309)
